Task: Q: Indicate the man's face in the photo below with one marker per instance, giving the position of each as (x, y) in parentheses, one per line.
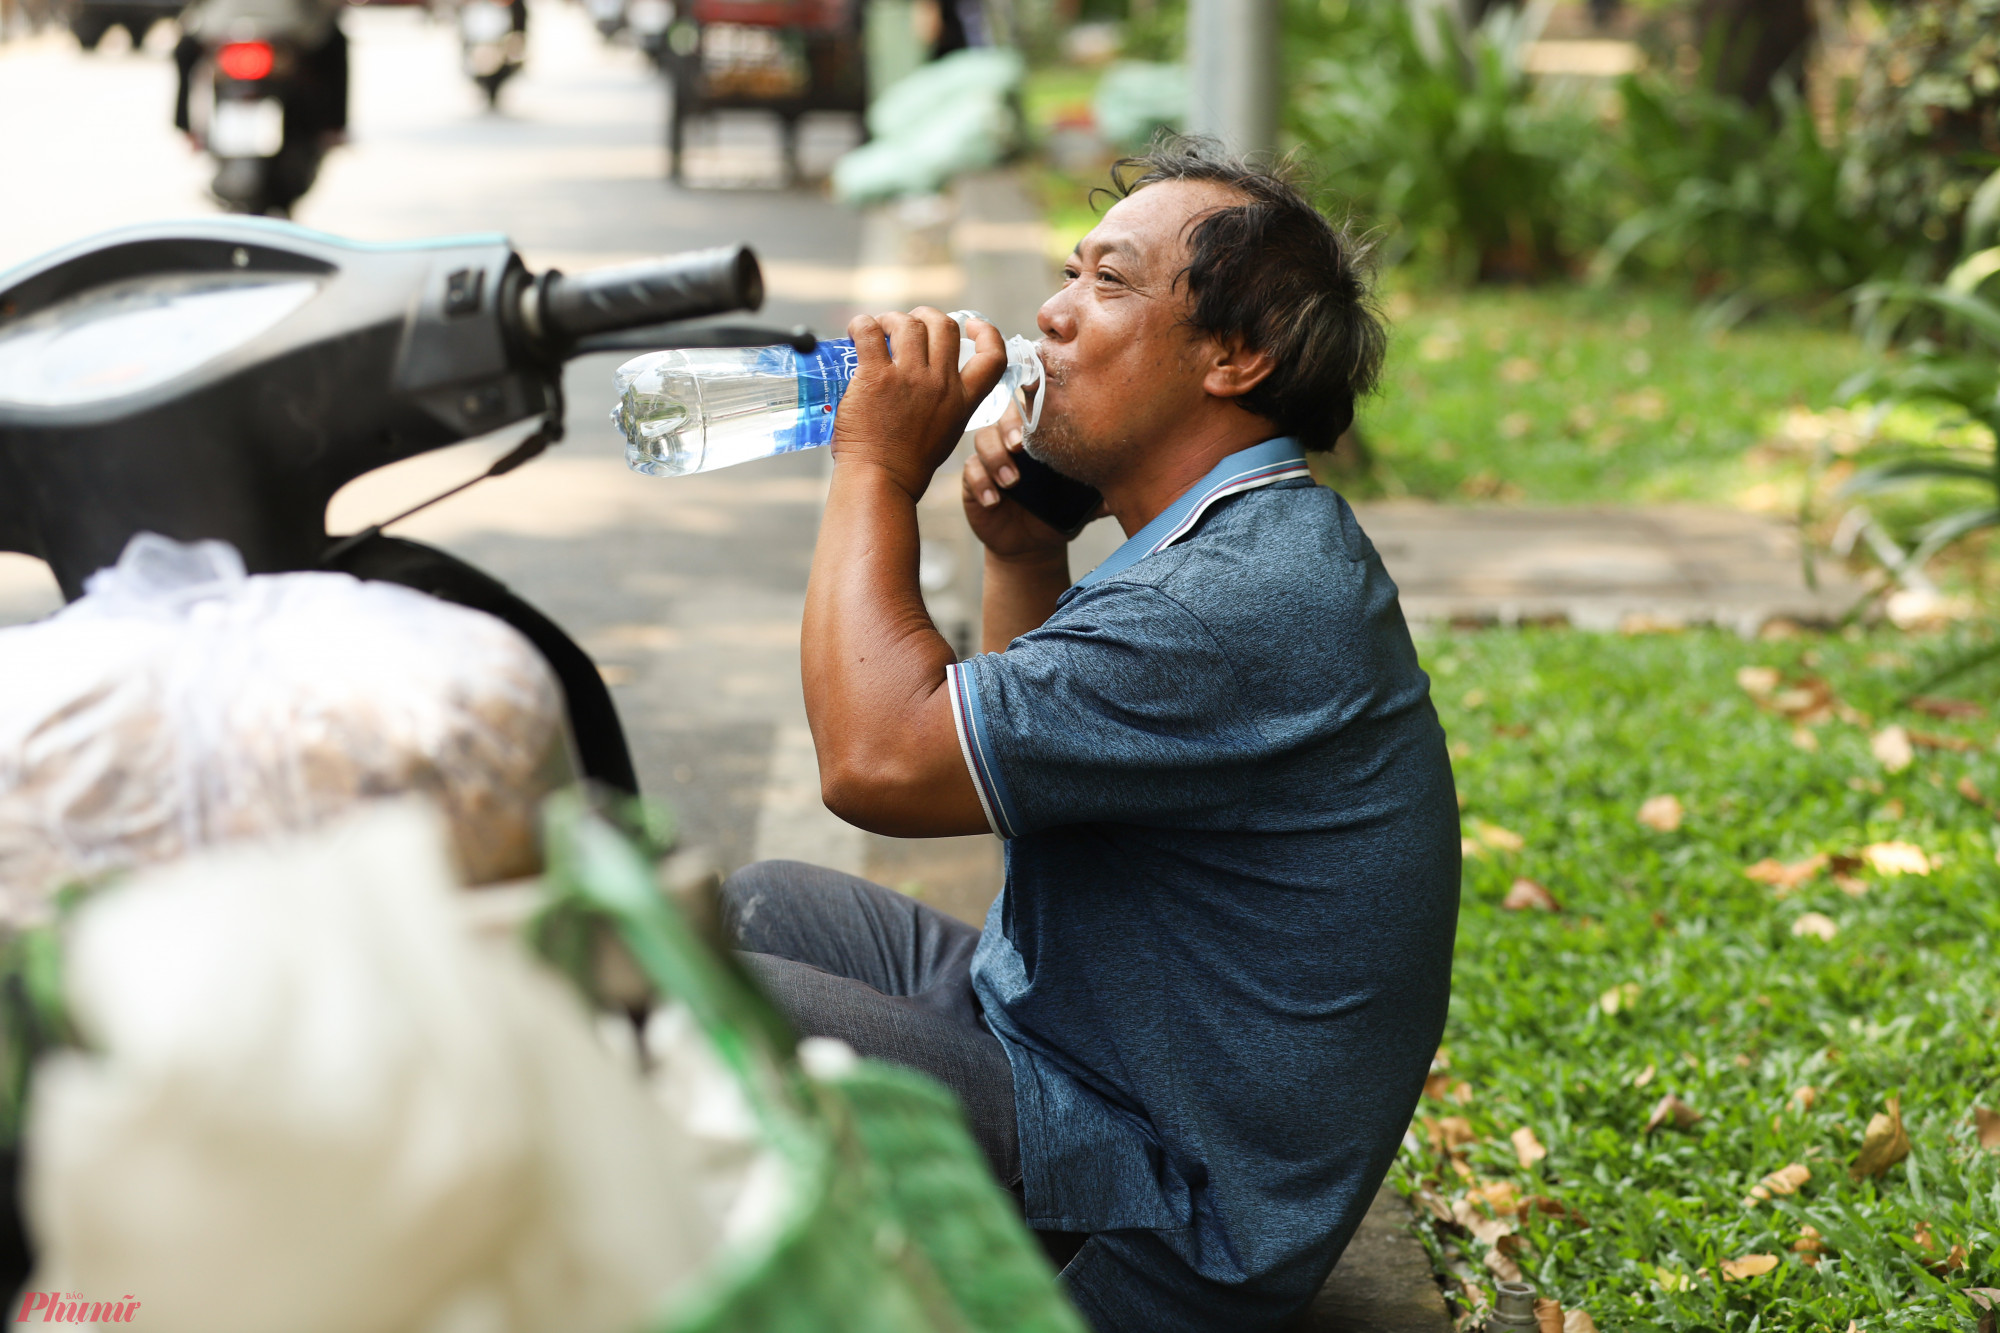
(1122, 366)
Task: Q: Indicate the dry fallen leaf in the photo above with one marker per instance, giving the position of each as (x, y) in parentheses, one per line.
(1816, 924)
(1501, 1265)
(1937, 707)
(1449, 1133)
(1750, 1265)
(1673, 1112)
(1986, 1298)
(1548, 1315)
(1806, 739)
(1542, 1203)
(1619, 999)
(1925, 740)
(1486, 1230)
(1786, 877)
(1883, 1144)
(1578, 1321)
(1807, 703)
(1804, 1096)
(1433, 1203)
(1785, 1180)
(1988, 1123)
(1809, 1246)
(1526, 895)
(1527, 1147)
(1644, 1076)
(1502, 1196)
(1470, 847)
(1952, 1261)
(1500, 839)
(1896, 858)
(1758, 682)
(1892, 749)
(1662, 814)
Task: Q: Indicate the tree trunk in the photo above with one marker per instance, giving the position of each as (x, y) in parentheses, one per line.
(1745, 44)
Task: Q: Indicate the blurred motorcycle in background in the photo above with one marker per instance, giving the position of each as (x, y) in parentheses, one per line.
(263, 89)
(89, 20)
(608, 15)
(493, 42)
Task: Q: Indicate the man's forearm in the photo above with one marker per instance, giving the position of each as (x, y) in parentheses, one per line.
(1019, 595)
(873, 666)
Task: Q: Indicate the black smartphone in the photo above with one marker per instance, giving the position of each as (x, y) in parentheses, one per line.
(1062, 503)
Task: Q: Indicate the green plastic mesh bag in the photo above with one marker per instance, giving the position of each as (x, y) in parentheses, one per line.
(893, 1223)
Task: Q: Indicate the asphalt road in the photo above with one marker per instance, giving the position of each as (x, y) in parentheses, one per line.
(687, 591)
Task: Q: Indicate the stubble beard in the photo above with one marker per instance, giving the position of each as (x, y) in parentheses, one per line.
(1055, 439)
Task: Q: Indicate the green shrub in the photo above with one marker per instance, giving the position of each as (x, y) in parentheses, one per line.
(1440, 136)
(1951, 372)
(1927, 121)
(1747, 203)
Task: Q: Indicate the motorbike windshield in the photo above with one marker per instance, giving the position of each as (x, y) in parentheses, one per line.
(133, 336)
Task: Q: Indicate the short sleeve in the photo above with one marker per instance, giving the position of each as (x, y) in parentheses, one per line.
(1123, 708)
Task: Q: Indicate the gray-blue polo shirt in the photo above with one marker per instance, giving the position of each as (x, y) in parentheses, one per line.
(1221, 961)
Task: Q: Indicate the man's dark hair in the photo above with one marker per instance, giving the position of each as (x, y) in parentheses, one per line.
(1274, 272)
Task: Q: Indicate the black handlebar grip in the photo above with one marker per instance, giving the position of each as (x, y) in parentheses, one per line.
(652, 291)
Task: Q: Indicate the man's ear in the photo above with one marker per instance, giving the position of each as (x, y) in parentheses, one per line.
(1234, 368)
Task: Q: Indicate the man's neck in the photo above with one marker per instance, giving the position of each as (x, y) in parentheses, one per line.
(1164, 474)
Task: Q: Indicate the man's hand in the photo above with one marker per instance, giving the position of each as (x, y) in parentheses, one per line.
(1010, 532)
(908, 404)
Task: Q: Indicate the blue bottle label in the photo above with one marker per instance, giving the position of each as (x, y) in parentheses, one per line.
(823, 375)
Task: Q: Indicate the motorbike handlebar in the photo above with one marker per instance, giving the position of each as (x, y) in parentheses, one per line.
(565, 308)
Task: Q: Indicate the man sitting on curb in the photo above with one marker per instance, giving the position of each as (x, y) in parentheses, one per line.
(1200, 1014)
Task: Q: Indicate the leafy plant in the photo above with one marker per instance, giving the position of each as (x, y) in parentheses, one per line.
(1926, 128)
(1953, 369)
(1436, 130)
(1748, 201)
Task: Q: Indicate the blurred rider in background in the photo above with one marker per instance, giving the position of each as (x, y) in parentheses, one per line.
(316, 92)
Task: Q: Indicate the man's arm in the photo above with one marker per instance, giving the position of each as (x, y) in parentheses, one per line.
(873, 664)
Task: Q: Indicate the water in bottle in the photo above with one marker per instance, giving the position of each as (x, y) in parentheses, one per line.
(697, 409)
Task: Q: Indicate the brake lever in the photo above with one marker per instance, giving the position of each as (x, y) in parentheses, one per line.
(663, 337)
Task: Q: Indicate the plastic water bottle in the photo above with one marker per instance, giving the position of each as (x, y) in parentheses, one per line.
(696, 409)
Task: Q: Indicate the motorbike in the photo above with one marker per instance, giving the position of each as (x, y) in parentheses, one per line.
(649, 21)
(264, 91)
(608, 15)
(222, 379)
(493, 42)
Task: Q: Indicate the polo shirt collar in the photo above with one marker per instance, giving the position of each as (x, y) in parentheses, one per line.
(1259, 465)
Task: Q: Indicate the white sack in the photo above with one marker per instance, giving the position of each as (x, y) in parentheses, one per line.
(316, 1102)
(179, 703)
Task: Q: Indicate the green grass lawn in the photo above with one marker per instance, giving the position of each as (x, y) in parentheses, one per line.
(1786, 1017)
(1569, 396)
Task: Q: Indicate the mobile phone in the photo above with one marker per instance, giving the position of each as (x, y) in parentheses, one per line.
(1061, 502)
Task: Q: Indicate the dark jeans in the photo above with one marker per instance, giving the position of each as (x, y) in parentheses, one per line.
(890, 977)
